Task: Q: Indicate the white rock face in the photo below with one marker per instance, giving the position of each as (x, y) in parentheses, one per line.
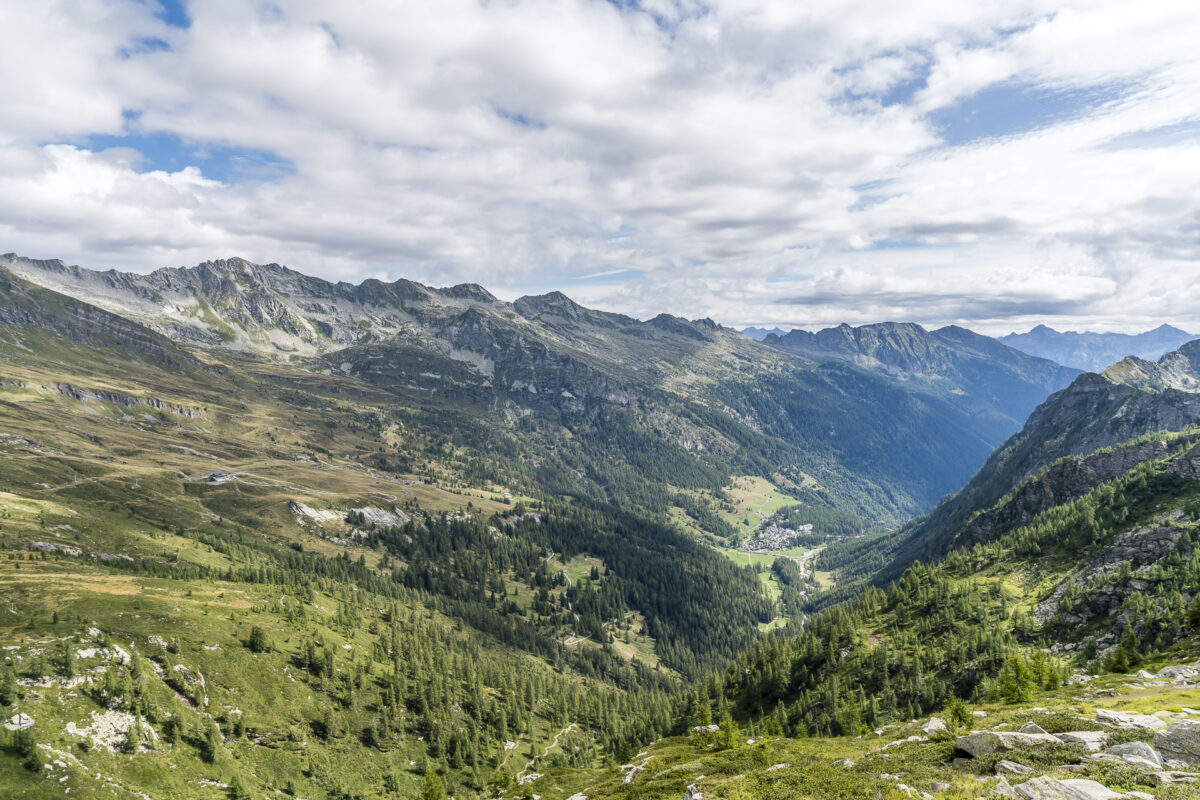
(1137, 750)
(302, 510)
(108, 729)
(1094, 741)
(1122, 719)
(1006, 767)
(1181, 672)
(379, 516)
(19, 722)
(1047, 788)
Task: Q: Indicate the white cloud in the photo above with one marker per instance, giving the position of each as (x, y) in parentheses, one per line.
(733, 156)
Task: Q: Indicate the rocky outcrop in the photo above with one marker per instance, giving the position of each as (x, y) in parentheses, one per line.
(1101, 587)
(935, 725)
(1064, 482)
(1094, 741)
(54, 547)
(82, 395)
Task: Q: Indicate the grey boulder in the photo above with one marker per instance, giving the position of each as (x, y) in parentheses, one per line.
(988, 742)
(1122, 719)
(1006, 767)
(1094, 741)
(1136, 750)
(1181, 742)
(1047, 788)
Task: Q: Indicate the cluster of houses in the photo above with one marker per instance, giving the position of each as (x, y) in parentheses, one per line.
(773, 537)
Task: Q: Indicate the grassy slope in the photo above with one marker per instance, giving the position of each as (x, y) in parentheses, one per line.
(212, 622)
(129, 480)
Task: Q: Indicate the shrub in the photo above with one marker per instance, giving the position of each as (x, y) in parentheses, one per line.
(258, 640)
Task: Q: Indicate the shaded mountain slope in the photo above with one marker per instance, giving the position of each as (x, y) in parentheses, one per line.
(997, 385)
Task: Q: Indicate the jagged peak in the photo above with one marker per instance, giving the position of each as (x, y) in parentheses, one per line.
(468, 291)
(1191, 349)
(56, 263)
(1178, 369)
(555, 302)
(242, 266)
(1169, 329)
(677, 325)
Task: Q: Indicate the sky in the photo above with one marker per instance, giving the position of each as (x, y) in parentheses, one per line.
(769, 162)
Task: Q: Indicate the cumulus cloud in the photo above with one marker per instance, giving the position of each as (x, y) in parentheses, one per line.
(757, 161)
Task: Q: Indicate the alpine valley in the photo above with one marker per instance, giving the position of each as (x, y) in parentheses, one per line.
(268, 536)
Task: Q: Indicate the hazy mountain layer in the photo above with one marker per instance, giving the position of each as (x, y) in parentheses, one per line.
(1095, 351)
(758, 334)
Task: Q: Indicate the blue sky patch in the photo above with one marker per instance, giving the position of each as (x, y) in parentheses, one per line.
(173, 12)
(517, 118)
(170, 153)
(1011, 108)
(902, 93)
(143, 45)
(1164, 136)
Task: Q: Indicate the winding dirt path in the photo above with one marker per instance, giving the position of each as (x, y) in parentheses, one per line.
(546, 749)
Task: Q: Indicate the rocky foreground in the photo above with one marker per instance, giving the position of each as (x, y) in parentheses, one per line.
(1097, 738)
(1170, 757)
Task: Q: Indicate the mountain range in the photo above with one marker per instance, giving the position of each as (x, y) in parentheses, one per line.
(687, 395)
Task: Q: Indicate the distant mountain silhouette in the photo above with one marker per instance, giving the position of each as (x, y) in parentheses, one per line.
(1096, 351)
